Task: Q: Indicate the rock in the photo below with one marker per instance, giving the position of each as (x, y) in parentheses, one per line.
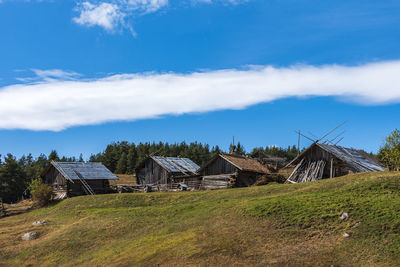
(30, 236)
(39, 222)
(344, 216)
(346, 235)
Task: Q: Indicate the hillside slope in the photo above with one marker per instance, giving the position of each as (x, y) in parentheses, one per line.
(268, 225)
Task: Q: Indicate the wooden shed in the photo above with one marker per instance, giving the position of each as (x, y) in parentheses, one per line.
(163, 170)
(238, 170)
(322, 161)
(70, 179)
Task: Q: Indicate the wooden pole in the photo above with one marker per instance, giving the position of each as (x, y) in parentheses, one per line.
(331, 174)
(331, 131)
(298, 145)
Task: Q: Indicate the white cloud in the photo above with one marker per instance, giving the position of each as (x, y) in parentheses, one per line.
(48, 75)
(105, 15)
(55, 74)
(59, 104)
(111, 14)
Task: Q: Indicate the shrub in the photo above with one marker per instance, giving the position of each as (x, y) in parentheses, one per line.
(34, 184)
(42, 195)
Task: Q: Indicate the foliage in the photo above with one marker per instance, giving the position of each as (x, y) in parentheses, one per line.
(42, 195)
(289, 153)
(34, 184)
(389, 153)
(124, 157)
(12, 179)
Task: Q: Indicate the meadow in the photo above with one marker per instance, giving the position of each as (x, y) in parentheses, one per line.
(275, 224)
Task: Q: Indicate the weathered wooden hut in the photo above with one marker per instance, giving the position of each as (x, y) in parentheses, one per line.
(322, 161)
(225, 170)
(163, 170)
(70, 179)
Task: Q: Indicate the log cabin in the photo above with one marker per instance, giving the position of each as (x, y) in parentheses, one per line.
(321, 161)
(69, 179)
(231, 170)
(163, 170)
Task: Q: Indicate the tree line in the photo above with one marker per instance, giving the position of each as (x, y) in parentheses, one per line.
(119, 157)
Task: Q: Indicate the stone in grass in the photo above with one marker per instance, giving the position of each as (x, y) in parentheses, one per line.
(39, 222)
(344, 216)
(346, 235)
(30, 236)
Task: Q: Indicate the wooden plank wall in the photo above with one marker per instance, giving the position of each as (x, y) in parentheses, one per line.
(219, 166)
(152, 173)
(59, 184)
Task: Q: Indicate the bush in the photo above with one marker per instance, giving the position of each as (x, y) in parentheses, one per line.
(42, 195)
(34, 184)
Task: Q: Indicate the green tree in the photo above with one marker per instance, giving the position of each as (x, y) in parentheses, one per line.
(121, 165)
(131, 159)
(240, 149)
(53, 156)
(12, 179)
(389, 153)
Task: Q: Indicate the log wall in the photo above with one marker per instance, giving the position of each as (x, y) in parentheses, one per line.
(152, 173)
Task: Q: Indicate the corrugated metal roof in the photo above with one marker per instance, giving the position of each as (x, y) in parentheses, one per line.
(84, 170)
(179, 165)
(358, 160)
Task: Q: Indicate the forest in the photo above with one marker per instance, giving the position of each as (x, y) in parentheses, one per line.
(120, 157)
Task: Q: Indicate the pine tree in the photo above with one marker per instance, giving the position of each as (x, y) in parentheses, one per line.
(12, 180)
(131, 159)
(53, 156)
(122, 164)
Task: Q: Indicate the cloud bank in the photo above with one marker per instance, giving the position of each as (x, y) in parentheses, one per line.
(57, 104)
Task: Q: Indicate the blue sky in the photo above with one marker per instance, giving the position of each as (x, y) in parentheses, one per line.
(77, 75)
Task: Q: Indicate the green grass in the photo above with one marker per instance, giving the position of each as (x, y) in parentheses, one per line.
(268, 225)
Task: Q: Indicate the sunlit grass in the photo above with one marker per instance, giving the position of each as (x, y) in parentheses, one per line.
(274, 224)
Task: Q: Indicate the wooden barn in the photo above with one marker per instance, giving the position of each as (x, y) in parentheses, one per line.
(322, 161)
(163, 170)
(225, 170)
(70, 179)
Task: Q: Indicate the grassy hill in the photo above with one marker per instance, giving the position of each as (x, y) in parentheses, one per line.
(274, 224)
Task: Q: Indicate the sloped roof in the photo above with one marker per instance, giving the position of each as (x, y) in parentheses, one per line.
(357, 159)
(176, 165)
(244, 163)
(84, 170)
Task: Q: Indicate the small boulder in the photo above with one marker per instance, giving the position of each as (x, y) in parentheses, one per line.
(346, 235)
(344, 216)
(30, 236)
(37, 223)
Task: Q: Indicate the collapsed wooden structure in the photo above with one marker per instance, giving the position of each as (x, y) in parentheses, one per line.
(231, 170)
(70, 179)
(322, 161)
(165, 170)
